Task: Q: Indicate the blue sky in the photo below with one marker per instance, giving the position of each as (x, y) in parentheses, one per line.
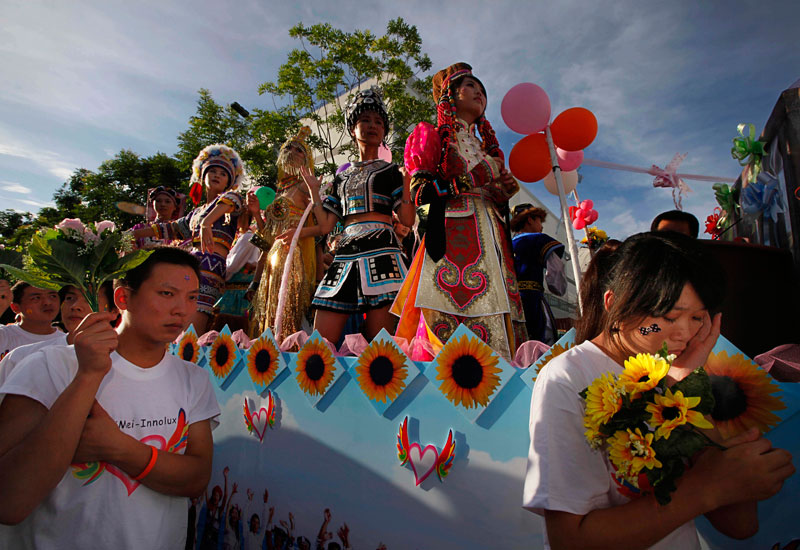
(82, 80)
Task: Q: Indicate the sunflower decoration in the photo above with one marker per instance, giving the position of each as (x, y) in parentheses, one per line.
(643, 373)
(188, 350)
(468, 371)
(742, 393)
(381, 371)
(631, 452)
(262, 361)
(222, 356)
(315, 367)
(552, 353)
(669, 411)
(603, 401)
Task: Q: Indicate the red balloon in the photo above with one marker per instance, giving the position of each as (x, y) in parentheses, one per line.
(574, 129)
(530, 158)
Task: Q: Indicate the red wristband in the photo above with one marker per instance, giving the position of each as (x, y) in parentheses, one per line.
(153, 457)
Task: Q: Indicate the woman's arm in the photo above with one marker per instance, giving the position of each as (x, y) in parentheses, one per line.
(206, 235)
(326, 220)
(406, 213)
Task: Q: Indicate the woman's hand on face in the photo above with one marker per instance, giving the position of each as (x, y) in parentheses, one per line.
(698, 348)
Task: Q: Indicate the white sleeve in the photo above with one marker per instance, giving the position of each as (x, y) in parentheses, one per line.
(564, 473)
(554, 275)
(241, 253)
(34, 378)
(204, 404)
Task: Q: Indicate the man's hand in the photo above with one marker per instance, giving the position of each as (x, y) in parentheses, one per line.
(94, 341)
(99, 438)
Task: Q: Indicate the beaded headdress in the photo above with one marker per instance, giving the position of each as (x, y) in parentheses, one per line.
(215, 155)
(444, 86)
(365, 100)
(287, 163)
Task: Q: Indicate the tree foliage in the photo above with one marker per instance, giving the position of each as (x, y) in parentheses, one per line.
(317, 80)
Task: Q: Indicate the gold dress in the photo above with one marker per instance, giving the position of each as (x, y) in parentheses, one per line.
(282, 215)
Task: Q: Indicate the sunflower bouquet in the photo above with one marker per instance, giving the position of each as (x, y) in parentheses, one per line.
(649, 431)
(595, 238)
(84, 256)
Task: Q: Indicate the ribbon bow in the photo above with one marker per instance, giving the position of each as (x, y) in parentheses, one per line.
(748, 150)
(724, 195)
(668, 177)
(762, 197)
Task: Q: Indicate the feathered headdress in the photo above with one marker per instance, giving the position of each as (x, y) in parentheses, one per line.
(215, 155)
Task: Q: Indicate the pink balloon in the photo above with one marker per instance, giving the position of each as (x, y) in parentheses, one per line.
(569, 160)
(579, 223)
(587, 205)
(569, 179)
(526, 108)
(384, 153)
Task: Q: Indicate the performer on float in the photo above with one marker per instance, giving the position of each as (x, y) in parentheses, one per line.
(283, 216)
(164, 204)
(464, 271)
(211, 227)
(534, 254)
(367, 269)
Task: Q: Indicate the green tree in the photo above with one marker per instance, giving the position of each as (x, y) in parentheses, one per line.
(317, 80)
(11, 220)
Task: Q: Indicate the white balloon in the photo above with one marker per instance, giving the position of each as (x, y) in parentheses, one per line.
(569, 179)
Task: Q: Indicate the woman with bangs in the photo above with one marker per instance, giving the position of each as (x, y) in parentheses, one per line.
(660, 288)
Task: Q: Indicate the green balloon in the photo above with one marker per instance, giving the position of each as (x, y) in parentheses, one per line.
(265, 196)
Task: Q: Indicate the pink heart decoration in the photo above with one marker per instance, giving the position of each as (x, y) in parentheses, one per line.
(259, 422)
(419, 457)
(131, 485)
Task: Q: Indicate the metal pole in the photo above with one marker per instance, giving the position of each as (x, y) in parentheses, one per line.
(573, 249)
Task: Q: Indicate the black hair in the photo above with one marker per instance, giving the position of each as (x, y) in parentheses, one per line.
(593, 286)
(134, 278)
(650, 272)
(18, 290)
(677, 216)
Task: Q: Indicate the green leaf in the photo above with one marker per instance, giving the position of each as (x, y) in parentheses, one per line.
(30, 278)
(697, 384)
(125, 264)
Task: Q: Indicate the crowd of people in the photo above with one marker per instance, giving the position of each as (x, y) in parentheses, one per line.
(97, 421)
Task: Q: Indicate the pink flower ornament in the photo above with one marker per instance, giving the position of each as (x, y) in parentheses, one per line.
(71, 224)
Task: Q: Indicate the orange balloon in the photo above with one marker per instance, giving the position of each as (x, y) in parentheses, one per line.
(530, 158)
(574, 129)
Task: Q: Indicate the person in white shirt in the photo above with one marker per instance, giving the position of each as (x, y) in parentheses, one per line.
(37, 307)
(74, 308)
(659, 280)
(101, 442)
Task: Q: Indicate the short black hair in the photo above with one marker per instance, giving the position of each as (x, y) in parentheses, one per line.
(134, 278)
(677, 216)
(18, 290)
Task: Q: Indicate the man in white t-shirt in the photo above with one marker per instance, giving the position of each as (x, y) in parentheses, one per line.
(74, 308)
(37, 307)
(101, 442)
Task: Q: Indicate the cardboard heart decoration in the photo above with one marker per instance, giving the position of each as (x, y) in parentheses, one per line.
(423, 461)
(258, 419)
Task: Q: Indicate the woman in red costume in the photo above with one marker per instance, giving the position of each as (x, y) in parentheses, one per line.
(464, 272)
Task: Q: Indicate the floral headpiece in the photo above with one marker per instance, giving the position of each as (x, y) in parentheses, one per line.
(285, 161)
(215, 155)
(444, 83)
(365, 100)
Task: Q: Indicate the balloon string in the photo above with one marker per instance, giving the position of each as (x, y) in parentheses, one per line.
(626, 168)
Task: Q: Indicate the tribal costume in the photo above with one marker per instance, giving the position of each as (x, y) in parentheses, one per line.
(464, 271)
(212, 264)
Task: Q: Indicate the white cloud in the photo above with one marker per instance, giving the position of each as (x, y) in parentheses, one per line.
(50, 161)
(14, 187)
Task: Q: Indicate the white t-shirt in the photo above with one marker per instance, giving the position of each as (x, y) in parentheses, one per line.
(564, 473)
(14, 336)
(16, 355)
(113, 511)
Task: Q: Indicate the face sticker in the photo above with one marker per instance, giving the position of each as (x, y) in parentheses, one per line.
(185, 277)
(644, 331)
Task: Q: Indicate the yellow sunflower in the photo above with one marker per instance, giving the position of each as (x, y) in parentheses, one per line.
(468, 371)
(672, 410)
(262, 361)
(642, 373)
(552, 353)
(381, 371)
(188, 350)
(222, 356)
(603, 400)
(592, 434)
(630, 451)
(314, 367)
(743, 395)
